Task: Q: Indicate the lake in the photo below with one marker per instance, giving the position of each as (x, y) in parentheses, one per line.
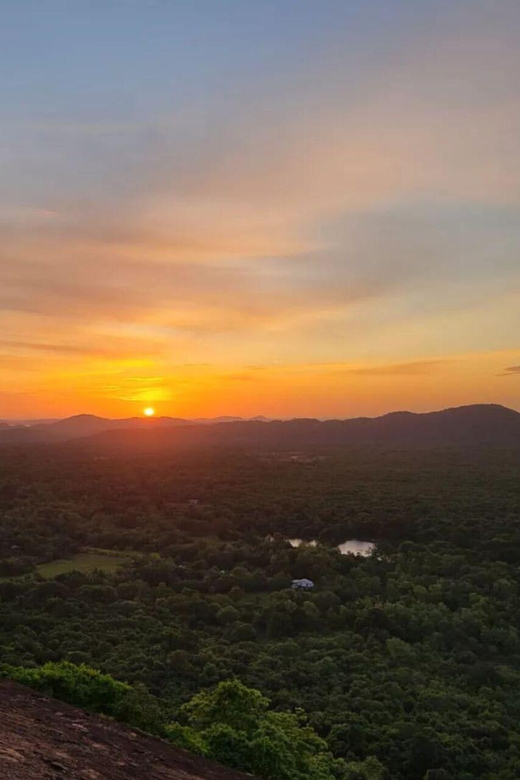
(350, 547)
(356, 547)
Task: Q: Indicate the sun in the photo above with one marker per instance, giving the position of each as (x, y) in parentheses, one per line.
(149, 411)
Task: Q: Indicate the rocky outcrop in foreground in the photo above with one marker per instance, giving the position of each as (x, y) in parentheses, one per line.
(45, 739)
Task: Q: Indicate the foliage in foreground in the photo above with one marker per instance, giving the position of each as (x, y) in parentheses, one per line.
(94, 691)
(234, 725)
(231, 724)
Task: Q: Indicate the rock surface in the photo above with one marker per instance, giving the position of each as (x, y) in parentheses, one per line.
(45, 739)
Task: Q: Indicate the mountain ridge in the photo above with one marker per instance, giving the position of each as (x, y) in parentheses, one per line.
(471, 425)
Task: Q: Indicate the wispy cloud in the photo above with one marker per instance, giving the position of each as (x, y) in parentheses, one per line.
(416, 368)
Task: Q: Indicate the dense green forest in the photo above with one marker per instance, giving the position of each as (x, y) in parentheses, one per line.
(402, 665)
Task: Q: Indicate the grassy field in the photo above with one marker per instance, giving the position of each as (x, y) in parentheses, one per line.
(87, 561)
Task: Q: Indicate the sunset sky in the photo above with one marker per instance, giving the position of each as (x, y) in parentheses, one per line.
(279, 207)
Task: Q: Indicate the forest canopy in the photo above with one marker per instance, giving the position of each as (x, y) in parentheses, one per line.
(403, 664)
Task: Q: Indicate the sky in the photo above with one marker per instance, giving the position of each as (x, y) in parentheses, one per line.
(286, 207)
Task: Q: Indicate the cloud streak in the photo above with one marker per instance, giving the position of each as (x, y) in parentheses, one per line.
(416, 368)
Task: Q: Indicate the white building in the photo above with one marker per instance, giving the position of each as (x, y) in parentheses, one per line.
(302, 584)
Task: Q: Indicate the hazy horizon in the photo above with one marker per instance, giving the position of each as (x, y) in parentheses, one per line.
(307, 209)
(156, 415)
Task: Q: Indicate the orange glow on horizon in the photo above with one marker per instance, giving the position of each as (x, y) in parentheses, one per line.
(306, 389)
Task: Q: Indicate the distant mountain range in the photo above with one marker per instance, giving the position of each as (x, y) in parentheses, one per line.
(478, 425)
(81, 425)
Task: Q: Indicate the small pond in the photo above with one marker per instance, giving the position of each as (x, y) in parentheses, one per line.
(350, 547)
